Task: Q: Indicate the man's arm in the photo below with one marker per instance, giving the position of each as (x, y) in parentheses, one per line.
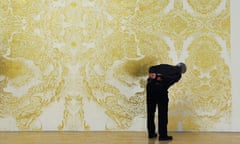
(171, 79)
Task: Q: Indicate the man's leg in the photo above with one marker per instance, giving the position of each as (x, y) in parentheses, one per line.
(163, 120)
(151, 108)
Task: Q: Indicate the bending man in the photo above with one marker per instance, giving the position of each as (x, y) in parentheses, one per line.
(161, 77)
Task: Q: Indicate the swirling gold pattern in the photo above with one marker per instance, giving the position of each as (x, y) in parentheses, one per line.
(82, 65)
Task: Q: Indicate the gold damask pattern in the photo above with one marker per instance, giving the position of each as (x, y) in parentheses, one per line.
(82, 65)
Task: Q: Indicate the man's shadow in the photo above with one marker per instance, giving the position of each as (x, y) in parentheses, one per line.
(156, 141)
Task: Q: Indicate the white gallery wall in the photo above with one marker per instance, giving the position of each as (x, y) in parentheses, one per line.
(68, 65)
(235, 32)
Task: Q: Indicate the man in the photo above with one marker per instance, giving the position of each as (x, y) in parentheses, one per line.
(161, 77)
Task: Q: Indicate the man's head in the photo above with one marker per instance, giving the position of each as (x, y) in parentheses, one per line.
(182, 66)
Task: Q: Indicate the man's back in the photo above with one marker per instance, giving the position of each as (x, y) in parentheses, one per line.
(164, 69)
(166, 74)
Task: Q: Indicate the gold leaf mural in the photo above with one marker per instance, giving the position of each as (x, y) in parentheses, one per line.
(83, 65)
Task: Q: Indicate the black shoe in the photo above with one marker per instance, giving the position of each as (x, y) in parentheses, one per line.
(165, 138)
(152, 135)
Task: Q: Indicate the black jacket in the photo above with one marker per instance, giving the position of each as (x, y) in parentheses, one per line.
(169, 75)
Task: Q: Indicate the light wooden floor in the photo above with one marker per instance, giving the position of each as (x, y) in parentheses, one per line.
(115, 138)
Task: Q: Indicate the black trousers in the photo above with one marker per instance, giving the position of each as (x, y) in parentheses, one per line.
(157, 99)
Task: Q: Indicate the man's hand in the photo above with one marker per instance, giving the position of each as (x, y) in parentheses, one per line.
(159, 78)
(152, 75)
(155, 76)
